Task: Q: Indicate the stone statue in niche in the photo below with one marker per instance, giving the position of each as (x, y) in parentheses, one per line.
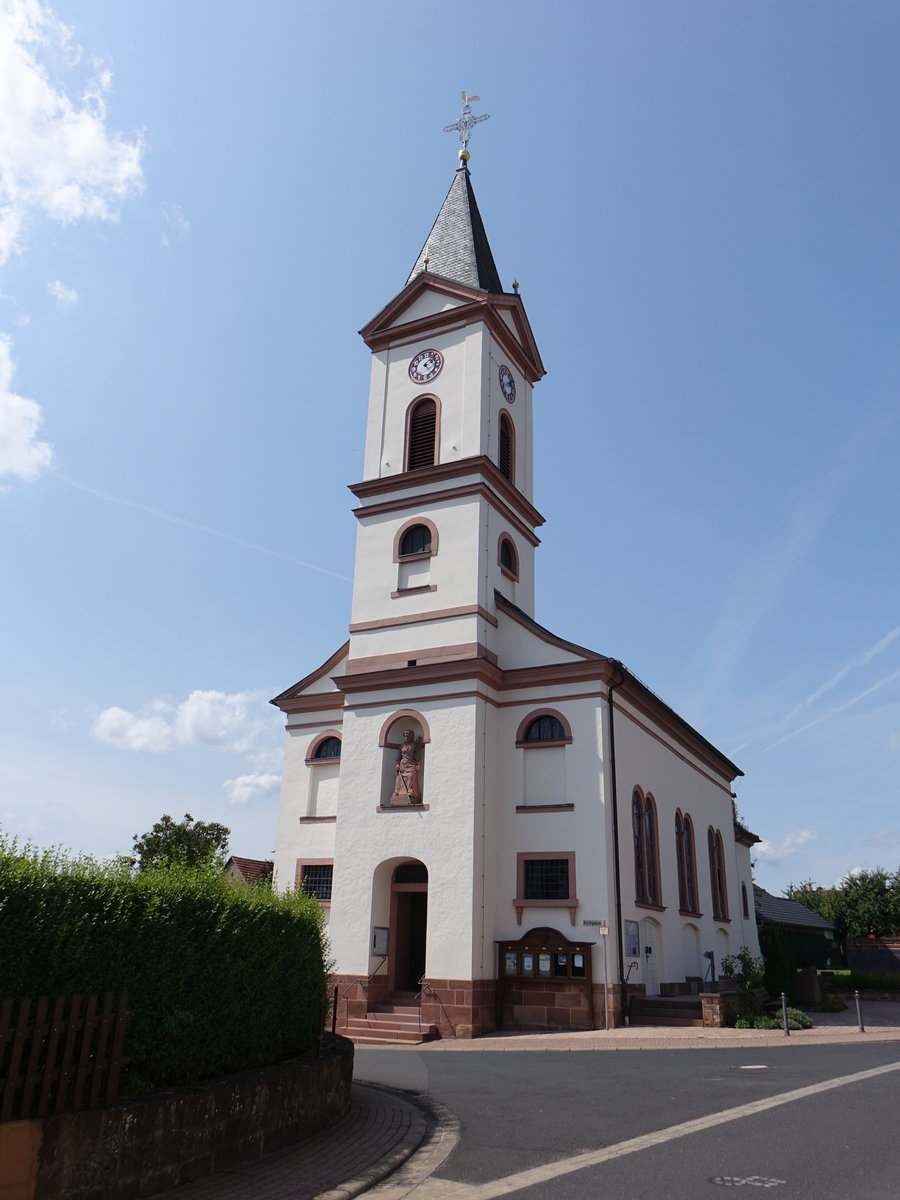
(406, 789)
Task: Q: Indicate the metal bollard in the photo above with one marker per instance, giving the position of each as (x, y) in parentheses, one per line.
(859, 1020)
(787, 1032)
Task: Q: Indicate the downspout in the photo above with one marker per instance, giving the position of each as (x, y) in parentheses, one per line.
(615, 834)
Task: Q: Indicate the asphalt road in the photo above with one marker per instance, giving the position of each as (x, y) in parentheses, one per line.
(538, 1111)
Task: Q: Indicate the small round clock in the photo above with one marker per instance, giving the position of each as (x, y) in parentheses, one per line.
(507, 383)
(426, 366)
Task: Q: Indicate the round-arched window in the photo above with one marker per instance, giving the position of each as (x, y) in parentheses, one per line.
(329, 747)
(509, 560)
(545, 728)
(416, 540)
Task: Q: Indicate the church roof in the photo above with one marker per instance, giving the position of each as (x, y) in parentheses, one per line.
(457, 247)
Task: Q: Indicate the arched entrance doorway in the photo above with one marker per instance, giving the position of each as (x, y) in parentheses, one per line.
(409, 925)
(650, 951)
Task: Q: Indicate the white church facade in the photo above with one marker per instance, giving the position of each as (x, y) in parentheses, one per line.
(470, 796)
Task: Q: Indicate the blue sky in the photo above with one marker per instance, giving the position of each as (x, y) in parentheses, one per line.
(200, 205)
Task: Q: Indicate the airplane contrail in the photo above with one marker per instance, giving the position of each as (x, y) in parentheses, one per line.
(218, 533)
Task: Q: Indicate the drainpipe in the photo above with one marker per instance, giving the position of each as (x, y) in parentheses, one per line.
(615, 834)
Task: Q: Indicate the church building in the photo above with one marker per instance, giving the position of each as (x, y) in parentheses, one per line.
(506, 829)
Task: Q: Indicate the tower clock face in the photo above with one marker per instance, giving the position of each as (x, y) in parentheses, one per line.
(426, 366)
(507, 383)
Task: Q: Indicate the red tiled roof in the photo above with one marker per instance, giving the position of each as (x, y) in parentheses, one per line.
(251, 870)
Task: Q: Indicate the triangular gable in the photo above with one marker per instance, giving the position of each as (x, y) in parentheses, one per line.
(541, 647)
(503, 314)
(318, 684)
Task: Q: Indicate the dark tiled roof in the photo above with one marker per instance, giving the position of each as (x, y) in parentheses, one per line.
(457, 246)
(251, 870)
(781, 911)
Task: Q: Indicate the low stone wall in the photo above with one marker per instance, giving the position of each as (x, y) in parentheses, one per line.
(718, 1007)
(138, 1147)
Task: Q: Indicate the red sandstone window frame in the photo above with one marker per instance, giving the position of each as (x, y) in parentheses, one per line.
(311, 760)
(745, 903)
(645, 836)
(513, 572)
(521, 902)
(533, 716)
(506, 426)
(686, 857)
(718, 882)
(404, 530)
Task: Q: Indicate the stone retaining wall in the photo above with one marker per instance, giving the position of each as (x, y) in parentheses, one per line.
(138, 1147)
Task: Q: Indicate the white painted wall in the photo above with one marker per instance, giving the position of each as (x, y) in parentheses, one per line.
(646, 758)
(441, 837)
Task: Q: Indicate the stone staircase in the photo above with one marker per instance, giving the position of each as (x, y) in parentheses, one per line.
(666, 1010)
(393, 1022)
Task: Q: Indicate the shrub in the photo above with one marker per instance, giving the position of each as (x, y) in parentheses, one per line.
(864, 981)
(796, 1020)
(219, 977)
(745, 972)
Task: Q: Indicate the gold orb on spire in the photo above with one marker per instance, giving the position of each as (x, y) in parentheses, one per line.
(464, 156)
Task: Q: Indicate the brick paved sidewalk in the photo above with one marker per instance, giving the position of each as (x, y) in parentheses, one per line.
(379, 1133)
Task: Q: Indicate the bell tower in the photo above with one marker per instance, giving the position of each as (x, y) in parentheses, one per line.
(445, 508)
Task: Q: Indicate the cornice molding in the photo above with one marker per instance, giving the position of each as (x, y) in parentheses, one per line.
(505, 497)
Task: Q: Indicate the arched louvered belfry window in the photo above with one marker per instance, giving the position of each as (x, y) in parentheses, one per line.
(505, 452)
(416, 540)
(422, 435)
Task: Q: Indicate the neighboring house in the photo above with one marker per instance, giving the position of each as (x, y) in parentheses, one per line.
(249, 870)
(812, 938)
(469, 795)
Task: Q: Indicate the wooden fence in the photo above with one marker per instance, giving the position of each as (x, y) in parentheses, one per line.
(61, 1059)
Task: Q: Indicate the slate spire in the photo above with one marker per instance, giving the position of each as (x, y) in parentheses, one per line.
(457, 247)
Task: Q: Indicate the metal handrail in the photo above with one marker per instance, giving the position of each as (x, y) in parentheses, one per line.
(424, 986)
(352, 985)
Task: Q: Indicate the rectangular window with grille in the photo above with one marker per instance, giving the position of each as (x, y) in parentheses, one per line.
(316, 880)
(546, 879)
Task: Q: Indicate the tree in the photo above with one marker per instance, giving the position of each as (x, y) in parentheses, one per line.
(187, 841)
(867, 902)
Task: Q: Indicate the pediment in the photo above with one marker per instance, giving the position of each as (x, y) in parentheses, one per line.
(430, 303)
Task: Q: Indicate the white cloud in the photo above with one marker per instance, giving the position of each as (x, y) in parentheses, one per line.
(245, 788)
(127, 731)
(218, 719)
(174, 217)
(221, 720)
(57, 158)
(774, 853)
(21, 452)
(64, 296)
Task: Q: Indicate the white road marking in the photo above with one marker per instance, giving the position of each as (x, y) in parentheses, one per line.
(445, 1189)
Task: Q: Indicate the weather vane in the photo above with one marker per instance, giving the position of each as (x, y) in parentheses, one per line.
(466, 124)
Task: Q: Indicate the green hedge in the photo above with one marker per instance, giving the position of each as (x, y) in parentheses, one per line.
(864, 981)
(219, 977)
